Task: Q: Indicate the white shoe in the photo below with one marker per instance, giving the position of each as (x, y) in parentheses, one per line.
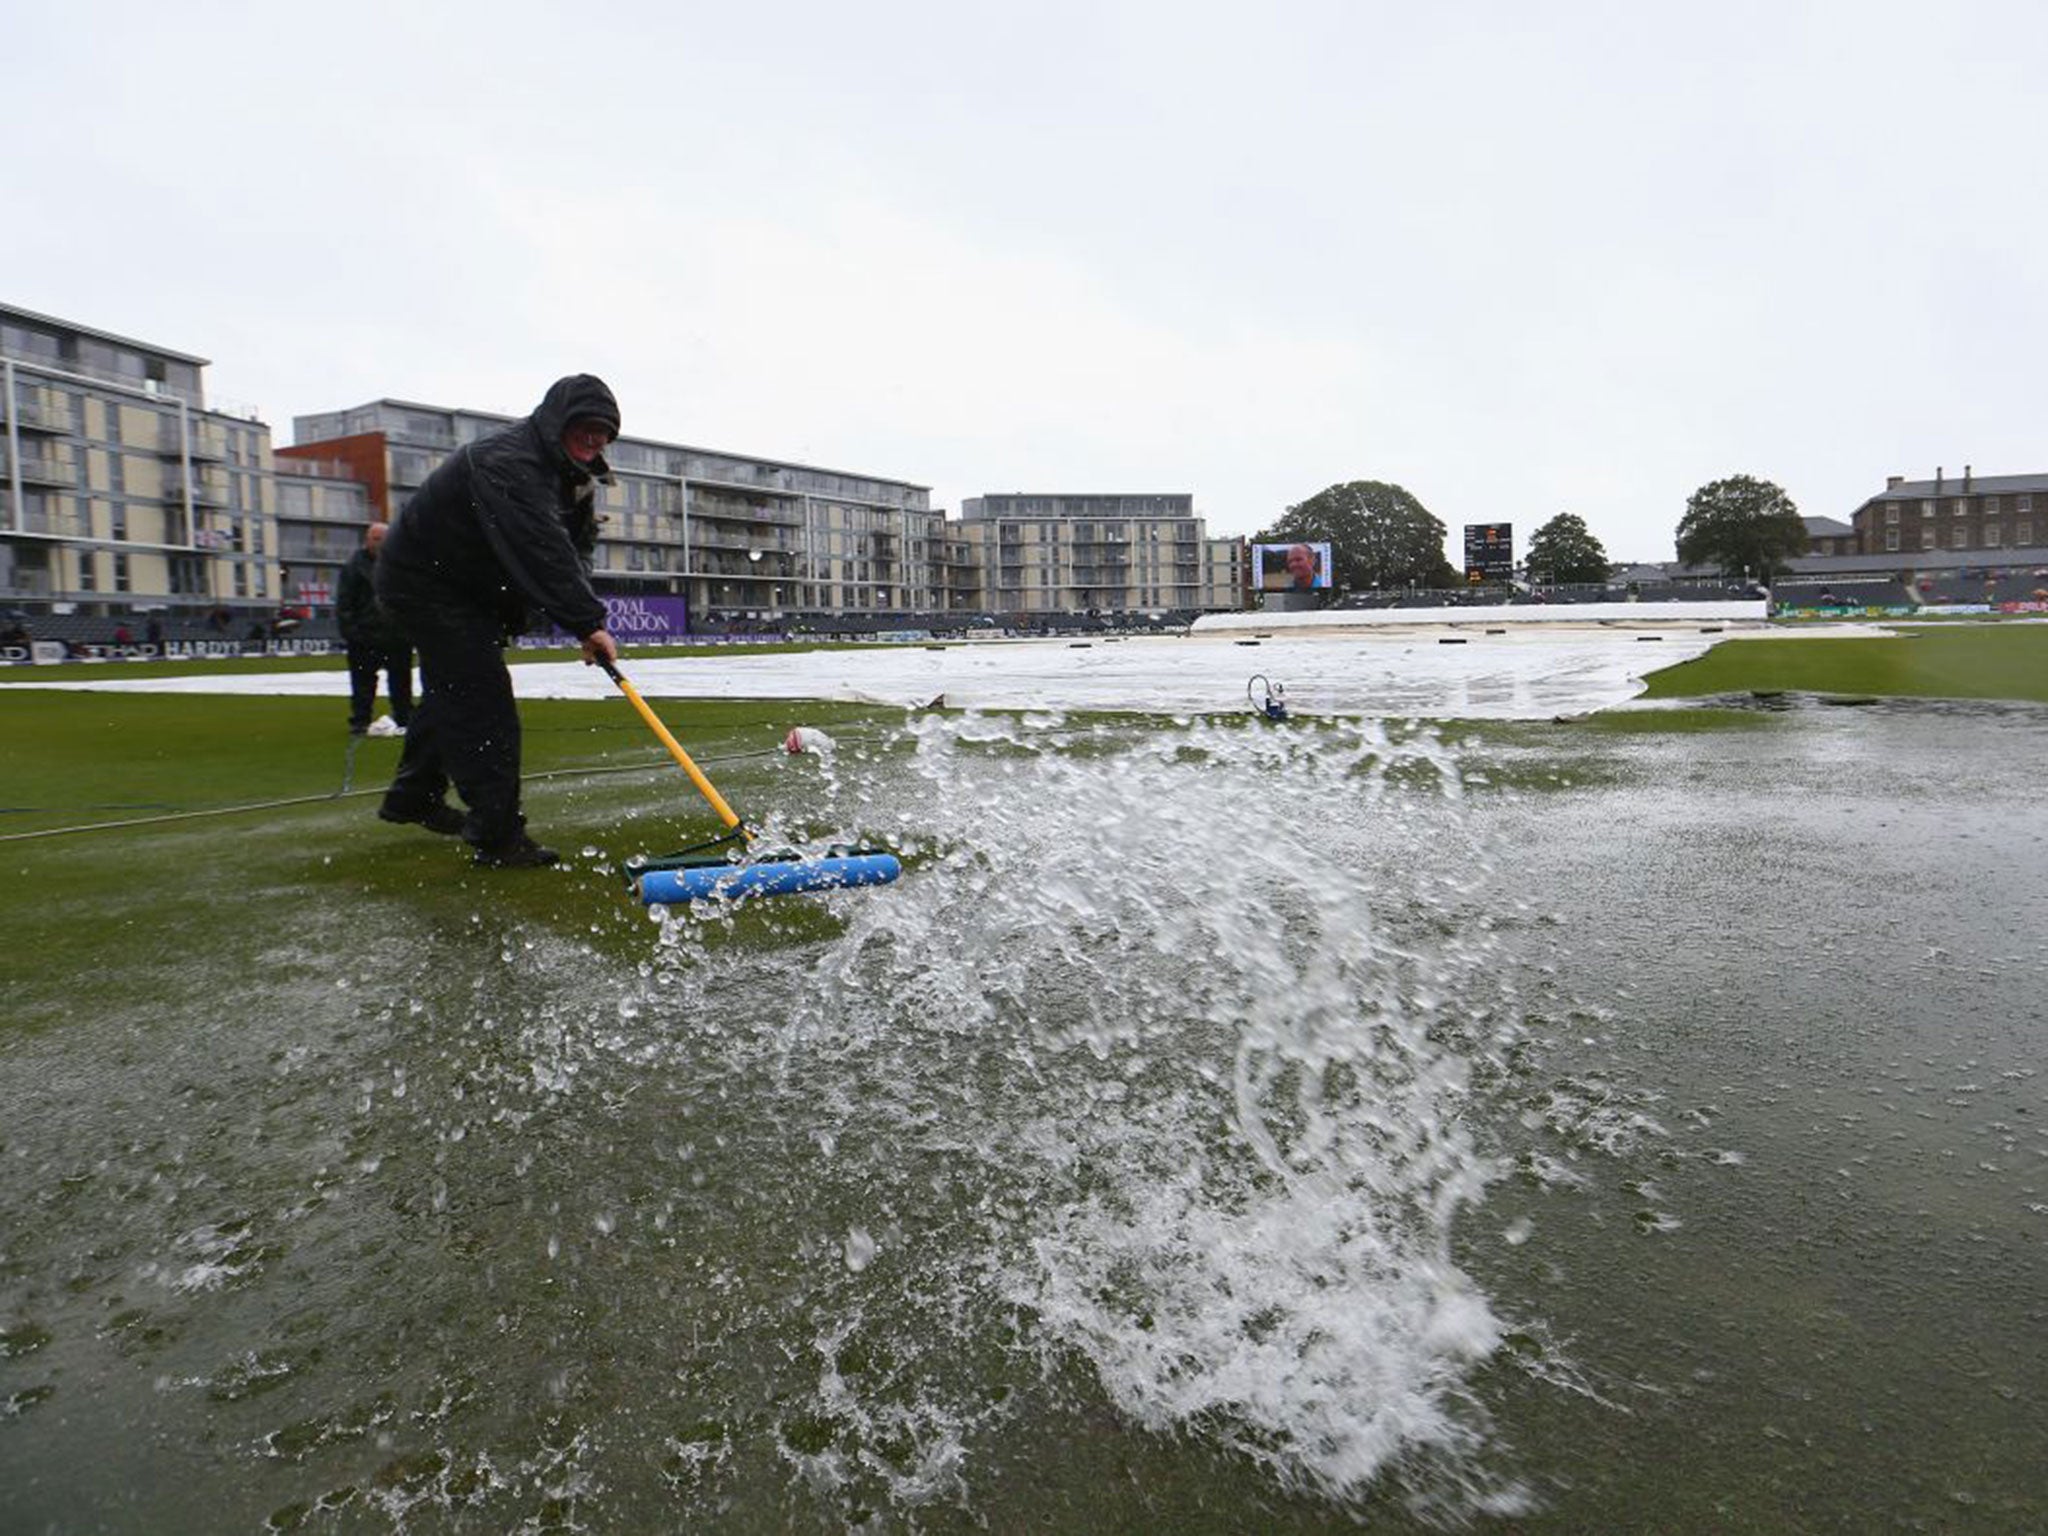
(384, 725)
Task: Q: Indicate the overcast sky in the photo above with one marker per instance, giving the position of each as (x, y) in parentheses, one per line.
(1521, 258)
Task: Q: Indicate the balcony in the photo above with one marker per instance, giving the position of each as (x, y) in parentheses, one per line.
(40, 469)
(40, 410)
(744, 541)
(295, 551)
(58, 525)
(200, 441)
(750, 517)
(314, 469)
(206, 491)
(130, 381)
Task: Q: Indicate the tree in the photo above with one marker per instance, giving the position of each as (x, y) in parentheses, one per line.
(1564, 550)
(1743, 525)
(1379, 536)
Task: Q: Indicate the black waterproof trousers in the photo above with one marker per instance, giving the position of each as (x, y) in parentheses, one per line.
(365, 662)
(466, 726)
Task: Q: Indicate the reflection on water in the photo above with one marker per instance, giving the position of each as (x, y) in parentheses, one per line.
(1218, 1128)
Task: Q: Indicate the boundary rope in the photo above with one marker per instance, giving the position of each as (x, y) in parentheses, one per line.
(346, 793)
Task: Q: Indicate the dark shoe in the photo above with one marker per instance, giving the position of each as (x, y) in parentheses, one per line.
(439, 817)
(522, 852)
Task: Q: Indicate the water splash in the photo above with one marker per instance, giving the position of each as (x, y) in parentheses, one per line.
(1208, 1013)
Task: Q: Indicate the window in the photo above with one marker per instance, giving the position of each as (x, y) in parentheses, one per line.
(121, 573)
(1962, 506)
(1960, 539)
(1929, 508)
(1927, 539)
(1891, 511)
(88, 573)
(1990, 505)
(1891, 538)
(2023, 532)
(1991, 535)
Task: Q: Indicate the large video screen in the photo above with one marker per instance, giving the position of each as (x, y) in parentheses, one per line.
(1292, 567)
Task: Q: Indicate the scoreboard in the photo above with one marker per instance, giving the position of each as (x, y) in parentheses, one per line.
(1489, 552)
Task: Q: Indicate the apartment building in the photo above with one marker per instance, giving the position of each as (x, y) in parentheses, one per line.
(739, 536)
(1097, 552)
(322, 510)
(1996, 516)
(122, 488)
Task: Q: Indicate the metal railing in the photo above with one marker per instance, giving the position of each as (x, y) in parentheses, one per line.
(40, 469)
(313, 469)
(68, 525)
(39, 409)
(197, 441)
(76, 368)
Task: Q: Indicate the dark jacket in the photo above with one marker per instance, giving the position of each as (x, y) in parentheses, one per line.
(508, 523)
(362, 618)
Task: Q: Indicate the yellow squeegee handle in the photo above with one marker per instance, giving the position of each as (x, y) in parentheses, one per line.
(675, 750)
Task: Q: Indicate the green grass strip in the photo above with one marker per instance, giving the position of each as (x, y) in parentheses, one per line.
(1950, 661)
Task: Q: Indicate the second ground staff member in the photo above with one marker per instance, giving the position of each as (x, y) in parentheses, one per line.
(506, 525)
(375, 644)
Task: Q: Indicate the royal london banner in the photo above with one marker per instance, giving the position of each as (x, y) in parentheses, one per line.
(640, 620)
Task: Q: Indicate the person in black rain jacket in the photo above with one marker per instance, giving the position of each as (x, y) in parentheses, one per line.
(504, 526)
(375, 644)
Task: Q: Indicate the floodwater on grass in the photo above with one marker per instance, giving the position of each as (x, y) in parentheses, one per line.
(1285, 1129)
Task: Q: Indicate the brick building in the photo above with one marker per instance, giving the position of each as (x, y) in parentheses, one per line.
(1990, 516)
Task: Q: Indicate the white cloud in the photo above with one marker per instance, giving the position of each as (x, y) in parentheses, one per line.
(1521, 260)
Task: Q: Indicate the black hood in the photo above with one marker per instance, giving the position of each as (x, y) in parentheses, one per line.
(579, 397)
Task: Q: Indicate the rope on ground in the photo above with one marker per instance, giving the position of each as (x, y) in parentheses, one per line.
(348, 793)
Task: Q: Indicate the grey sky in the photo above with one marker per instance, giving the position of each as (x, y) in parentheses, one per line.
(1520, 258)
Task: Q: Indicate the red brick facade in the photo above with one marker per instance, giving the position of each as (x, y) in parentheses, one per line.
(367, 458)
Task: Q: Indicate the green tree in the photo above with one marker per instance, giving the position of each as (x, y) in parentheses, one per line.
(1564, 550)
(1379, 536)
(1741, 524)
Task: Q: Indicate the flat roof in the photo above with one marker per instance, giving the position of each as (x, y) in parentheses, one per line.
(76, 329)
(629, 437)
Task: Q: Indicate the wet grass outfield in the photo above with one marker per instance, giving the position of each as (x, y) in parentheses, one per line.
(1624, 1125)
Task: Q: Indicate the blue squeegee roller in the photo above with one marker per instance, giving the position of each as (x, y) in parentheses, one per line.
(779, 877)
